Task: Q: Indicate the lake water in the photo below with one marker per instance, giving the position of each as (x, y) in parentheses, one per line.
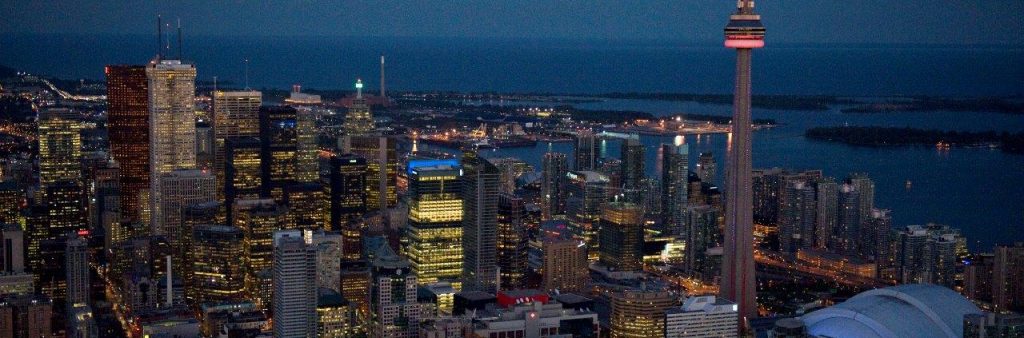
(977, 190)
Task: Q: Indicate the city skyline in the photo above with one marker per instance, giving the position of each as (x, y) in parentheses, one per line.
(156, 203)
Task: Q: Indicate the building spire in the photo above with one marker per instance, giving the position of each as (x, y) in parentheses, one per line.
(383, 95)
(359, 89)
(179, 38)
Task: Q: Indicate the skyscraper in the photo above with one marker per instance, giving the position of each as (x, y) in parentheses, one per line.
(1008, 277)
(381, 157)
(797, 216)
(848, 221)
(564, 265)
(60, 146)
(235, 114)
(585, 194)
(128, 131)
(554, 166)
(393, 299)
(77, 268)
(433, 239)
(512, 237)
(622, 236)
(308, 205)
(180, 189)
(359, 120)
(632, 169)
(259, 219)
(587, 152)
(172, 126)
(479, 223)
(639, 313)
(295, 291)
(826, 201)
(218, 267)
(348, 189)
(675, 180)
(702, 316)
(279, 149)
(706, 167)
(744, 32)
(242, 171)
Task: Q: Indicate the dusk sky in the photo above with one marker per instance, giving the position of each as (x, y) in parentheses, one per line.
(788, 21)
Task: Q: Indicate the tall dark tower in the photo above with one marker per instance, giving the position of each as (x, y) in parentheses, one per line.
(744, 33)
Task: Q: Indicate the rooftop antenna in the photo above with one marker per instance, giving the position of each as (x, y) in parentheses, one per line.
(215, 84)
(247, 74)
(159, 37)
(179, 38)
(167, 47)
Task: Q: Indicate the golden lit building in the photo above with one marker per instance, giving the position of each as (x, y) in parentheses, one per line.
(235, 114)
(564, 265)
(381, 157)
(60, 146)
(258, 219)
(640, 313)
(359, 120)
(622, 236)
(355, 287)
(218, 268)
(334, 317)
(308, 205)
(172, 127)
(433, 240)
(242, 177)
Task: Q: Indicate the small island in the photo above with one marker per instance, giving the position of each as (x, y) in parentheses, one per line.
(886, 136)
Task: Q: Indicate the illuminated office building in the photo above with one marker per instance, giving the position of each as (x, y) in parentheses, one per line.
(235, 114)
(218, 268)
(258, 220)
(433, 239)
(128, 132)
(703, 316)
(359, 120)
(180, 189)
(12, 201)
(347, 189)
(479, 223)
(706, 167)
(172, 127)
(328, 260)
(622, 236)
(1008, 277)
(356, 278)
(307, 158)
(585, 194)
(242, 177)
(381, 157)
(333, 315)
(512, 239)
(640, 313)
(60, 146)
(552, 189)
(308, 205)
(279, 141)
(192, 217)
(60, 214)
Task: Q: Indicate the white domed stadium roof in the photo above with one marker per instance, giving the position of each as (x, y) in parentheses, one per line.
(912, 310)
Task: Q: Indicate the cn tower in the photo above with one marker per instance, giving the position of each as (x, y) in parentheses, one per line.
(743, 33)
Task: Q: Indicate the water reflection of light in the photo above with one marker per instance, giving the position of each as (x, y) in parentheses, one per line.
(728, 142)
(679, 140)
